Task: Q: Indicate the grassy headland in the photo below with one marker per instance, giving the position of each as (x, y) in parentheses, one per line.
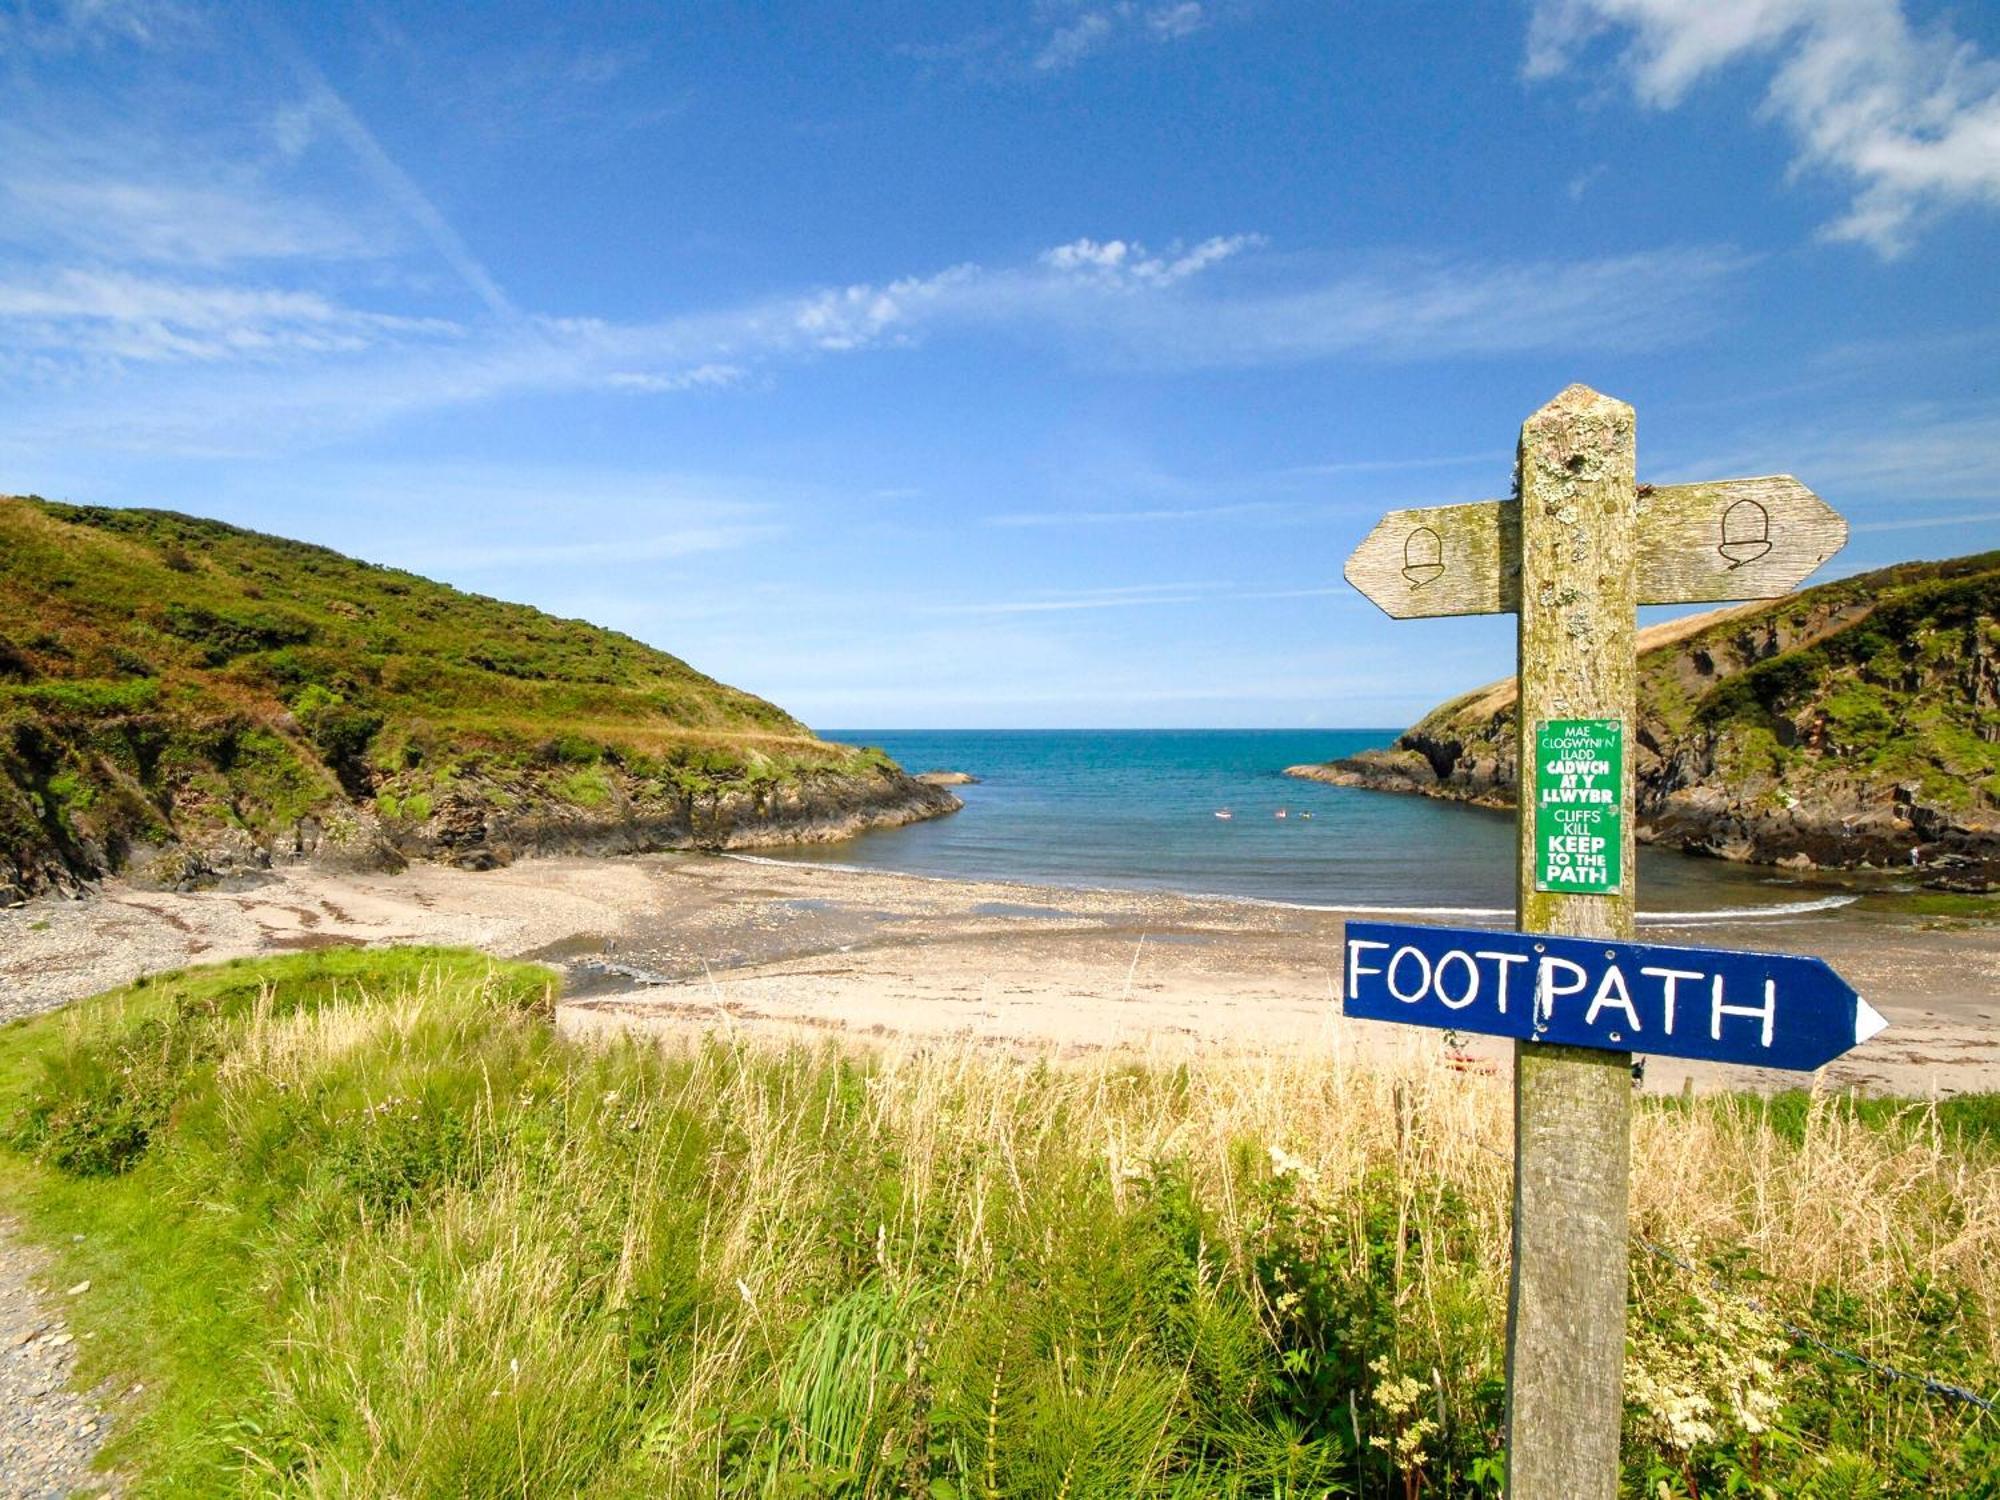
(363, 1224)
(1850, 723)
(196, 698)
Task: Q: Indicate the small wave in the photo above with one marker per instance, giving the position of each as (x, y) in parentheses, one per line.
(1714, 916)
(839, 868)
(1358, 908)
(1506, 913)
(1744, 913)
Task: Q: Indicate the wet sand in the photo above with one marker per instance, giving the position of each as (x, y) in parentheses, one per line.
(685, 942)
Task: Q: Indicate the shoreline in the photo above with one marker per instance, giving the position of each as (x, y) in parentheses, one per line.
(1483, 916)
(1402, 772)
(683, 942)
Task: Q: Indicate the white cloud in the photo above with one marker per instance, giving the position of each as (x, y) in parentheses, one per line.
(109, 179)
(1080, 254)
(1171, 22)
(124, 201)
(1911, 453)
(1582, 182)
(323, 110)
(74, 25)
(701, 377)
(454, 519)
(1414, 307)
(1891, 466)
(1069, 45)
(126, 317)
(1122, 261)
(1090, 30)
(1102, 303)
(1911, 118)
(854, 317)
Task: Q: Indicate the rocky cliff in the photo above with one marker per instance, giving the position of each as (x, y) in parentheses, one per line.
(180, 699)
(1848, 725)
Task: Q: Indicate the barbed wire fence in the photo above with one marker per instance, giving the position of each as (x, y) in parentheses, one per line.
(1930, 1383)
(1800, 1334)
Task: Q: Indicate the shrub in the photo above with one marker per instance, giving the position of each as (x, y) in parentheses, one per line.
(394, 1152)
(94, 1114)
(569, 750)
(339, 730)
(590, 787)
(84, 697)
(224, 634)
(100, 1102)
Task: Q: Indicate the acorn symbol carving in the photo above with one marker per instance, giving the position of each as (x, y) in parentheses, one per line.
(1423, 557)
(1746, 533)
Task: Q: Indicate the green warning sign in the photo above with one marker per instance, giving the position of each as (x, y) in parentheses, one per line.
(1579, 806)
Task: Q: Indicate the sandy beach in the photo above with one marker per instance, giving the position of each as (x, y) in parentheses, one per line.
(691, 941)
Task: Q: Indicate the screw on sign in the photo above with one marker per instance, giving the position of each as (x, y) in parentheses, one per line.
(1573, 558)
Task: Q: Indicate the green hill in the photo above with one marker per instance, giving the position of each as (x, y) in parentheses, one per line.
(1850, 724)
(181, 698)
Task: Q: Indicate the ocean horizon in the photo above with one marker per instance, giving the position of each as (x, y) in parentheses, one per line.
(1137, 809)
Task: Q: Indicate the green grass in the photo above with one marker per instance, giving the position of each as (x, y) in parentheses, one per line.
(1964, 1123)
(589, 787)
(362, 1224)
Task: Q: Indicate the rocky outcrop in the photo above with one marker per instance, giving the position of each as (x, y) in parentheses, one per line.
(1854, 724)
(474, 828)
(484, 825)
(1397, 769)
(947, 778)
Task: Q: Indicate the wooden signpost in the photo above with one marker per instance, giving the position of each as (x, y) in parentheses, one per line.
(1574, 556)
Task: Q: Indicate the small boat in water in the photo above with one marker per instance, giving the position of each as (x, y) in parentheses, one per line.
(1224, 813)
(1282, 813)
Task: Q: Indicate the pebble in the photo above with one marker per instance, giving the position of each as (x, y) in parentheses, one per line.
(48, 1432)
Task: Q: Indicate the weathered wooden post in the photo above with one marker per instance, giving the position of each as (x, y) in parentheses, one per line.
(1572, 1105)
(1582, 548)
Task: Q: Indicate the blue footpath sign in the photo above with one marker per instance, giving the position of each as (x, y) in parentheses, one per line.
(1765, 1010)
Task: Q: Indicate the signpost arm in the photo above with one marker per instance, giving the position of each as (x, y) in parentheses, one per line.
(1572, 1106)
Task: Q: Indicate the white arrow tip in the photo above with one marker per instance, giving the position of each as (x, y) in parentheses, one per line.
(1868, 1021)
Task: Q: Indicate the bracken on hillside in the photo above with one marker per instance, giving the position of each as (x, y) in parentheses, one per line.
(181, 699)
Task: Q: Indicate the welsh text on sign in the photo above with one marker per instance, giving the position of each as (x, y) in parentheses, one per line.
(1764, 1010)
(1579, 806)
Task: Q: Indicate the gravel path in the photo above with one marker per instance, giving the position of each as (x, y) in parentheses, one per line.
(48, 1433)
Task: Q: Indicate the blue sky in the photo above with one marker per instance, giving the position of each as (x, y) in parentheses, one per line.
(1030, 363)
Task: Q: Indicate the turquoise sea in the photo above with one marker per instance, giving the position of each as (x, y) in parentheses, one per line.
(1136, 808)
